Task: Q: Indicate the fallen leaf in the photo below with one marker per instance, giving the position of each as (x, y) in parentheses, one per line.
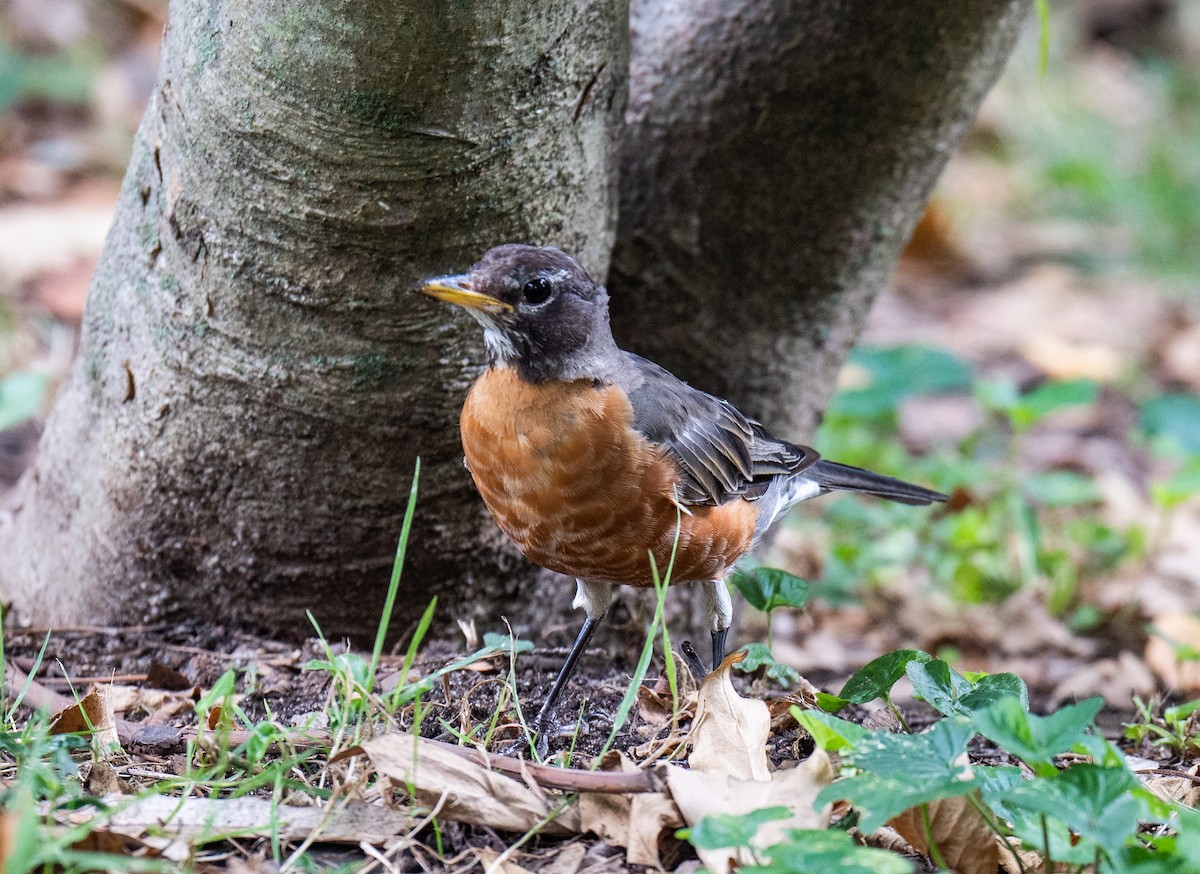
(493, 864)
(159, 676)
(1064, 359)
(1116, 679)
(1182, 789)
(1030, 860)
(962, 836)
(699, 794)
(103, 780)
(638, 822)
(1175, 635)
(567, 860)
(729, 734)
(473, 794)
(93, 713)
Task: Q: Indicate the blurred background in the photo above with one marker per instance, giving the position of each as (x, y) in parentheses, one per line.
(1038, 355)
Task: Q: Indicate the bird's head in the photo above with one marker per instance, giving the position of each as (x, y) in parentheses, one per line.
(541, 313)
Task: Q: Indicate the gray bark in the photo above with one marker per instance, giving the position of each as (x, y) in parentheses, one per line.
(776, 159)
(253, 384)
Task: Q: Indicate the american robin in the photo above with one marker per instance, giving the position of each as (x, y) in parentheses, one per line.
(592, 459)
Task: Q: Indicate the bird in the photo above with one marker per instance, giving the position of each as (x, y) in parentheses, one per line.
(603, 466)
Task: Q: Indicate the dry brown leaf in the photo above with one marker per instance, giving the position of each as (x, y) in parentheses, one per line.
(1173, 631)
(133, 699)
(1064, 359)
(698, 795)
(473, 794)
(1030, 860)
(493, 864)
(1116, 679)
(93, 713)
(966, 843)
(638, 822)
(160, 676)
(1182, 789)
(729, 735)
(103, 780)
(567, 860)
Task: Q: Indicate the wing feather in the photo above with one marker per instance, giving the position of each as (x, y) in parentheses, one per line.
(722, 454)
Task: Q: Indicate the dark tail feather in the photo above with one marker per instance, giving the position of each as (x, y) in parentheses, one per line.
(831, 475)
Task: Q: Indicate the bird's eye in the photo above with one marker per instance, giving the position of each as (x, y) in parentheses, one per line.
(537, 290)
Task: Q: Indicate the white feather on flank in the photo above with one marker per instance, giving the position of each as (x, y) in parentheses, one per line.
(784, 493)
(593, 597)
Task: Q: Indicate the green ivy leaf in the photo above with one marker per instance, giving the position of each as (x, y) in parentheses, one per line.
(1184, 483)
(22, 395)
(877, 677)
(1051, 396)
(1174, 416)
(766, 588)
(896, 373)
(809, 850)
(829, 732)
(1036, 740)
(758, 655)
(723, 830)
(1062, 488)
(830, 703)
(903, 770)
(936, 755)
(951, 694)
(1101, 805)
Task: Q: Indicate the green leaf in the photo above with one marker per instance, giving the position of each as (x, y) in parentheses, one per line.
(1036, 740)
(766, 588)
(1051, 396)
(1099, 804)
(830, 703)
(723, 830)
(758, 655)
(806, 851)
(1061, 488)
(876, 678)
(497, 642)
(1174, 416)
(952, 694)
(896, 373)
(904, 770)
(22, 396)
(929, 758)
(1184, 483)
(829, 732)
(878, 799)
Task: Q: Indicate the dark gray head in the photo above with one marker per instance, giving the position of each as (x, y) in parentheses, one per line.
(540, 311)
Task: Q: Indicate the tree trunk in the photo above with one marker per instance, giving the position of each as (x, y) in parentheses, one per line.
(253, 385)
(776, 159)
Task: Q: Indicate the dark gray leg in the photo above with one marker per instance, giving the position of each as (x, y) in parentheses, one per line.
(718, 638)
(594, 598)
(720, 616)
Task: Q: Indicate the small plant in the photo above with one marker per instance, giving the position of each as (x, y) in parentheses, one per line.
(1087, 813)
(1174, 728)
(767, 589)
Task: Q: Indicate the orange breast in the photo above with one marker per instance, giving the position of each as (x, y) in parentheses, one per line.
(582, 493)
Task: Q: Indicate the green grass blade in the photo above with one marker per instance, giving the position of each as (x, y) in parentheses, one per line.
(389, 603)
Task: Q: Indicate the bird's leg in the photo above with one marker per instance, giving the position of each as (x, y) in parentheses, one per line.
(720, 616)
(594, 598)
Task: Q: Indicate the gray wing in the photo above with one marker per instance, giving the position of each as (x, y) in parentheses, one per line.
(722, 454)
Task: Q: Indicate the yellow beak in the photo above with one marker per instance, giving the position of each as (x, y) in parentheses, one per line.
(457, 290)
